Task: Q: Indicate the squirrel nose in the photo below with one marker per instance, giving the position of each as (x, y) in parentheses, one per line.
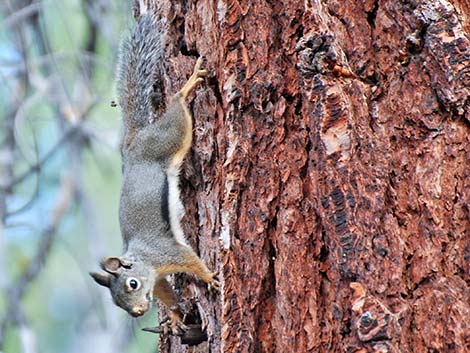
(139, 310)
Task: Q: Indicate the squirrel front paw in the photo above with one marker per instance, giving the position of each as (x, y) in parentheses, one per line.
(214, 284)
(174, 325)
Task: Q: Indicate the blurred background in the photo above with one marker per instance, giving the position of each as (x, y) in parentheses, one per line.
(60, 177)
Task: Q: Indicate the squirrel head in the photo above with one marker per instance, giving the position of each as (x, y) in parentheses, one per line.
(130, 283)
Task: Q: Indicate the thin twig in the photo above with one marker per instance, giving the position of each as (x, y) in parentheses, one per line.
(36, 167)
(22, 14)
(35, 194)
(18, 288)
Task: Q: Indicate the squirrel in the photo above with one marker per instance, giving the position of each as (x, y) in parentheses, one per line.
(154, 145)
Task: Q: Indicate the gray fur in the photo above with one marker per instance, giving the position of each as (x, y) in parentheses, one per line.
(151, 138)
(158, 141)
(140, 73)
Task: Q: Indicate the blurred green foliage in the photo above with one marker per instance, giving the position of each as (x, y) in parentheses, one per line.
(63, 310)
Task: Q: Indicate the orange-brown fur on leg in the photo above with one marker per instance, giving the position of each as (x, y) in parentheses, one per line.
(164, 292)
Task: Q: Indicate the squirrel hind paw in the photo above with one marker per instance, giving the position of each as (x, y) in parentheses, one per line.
(196, 79)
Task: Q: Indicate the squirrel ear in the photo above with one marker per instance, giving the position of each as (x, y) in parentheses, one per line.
(101, 278)
(113, 264)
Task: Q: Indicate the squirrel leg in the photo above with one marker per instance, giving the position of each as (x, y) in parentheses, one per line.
(163, 291)
(195, 79)
(171, 133)
(193, 264)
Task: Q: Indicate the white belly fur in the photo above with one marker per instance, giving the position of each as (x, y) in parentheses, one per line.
(175, 206)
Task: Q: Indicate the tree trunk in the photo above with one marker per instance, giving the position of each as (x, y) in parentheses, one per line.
(328, 181)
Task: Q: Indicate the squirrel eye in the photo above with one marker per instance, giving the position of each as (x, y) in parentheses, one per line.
(133, 283)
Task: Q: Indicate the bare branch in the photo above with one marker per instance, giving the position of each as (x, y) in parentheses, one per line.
(18, 288)
(39, 73)
(36, 167)
(23, 13)
(35, 194)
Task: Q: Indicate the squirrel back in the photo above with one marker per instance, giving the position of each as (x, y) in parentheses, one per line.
(140, 86)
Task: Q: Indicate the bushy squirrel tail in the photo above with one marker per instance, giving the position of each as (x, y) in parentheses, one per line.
(140, 85)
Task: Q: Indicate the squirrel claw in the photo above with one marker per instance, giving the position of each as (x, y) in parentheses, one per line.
(198, 65)
(174, 326)
(214, 286)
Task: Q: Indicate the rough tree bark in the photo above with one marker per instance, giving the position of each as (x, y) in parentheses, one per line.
(329, 178)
